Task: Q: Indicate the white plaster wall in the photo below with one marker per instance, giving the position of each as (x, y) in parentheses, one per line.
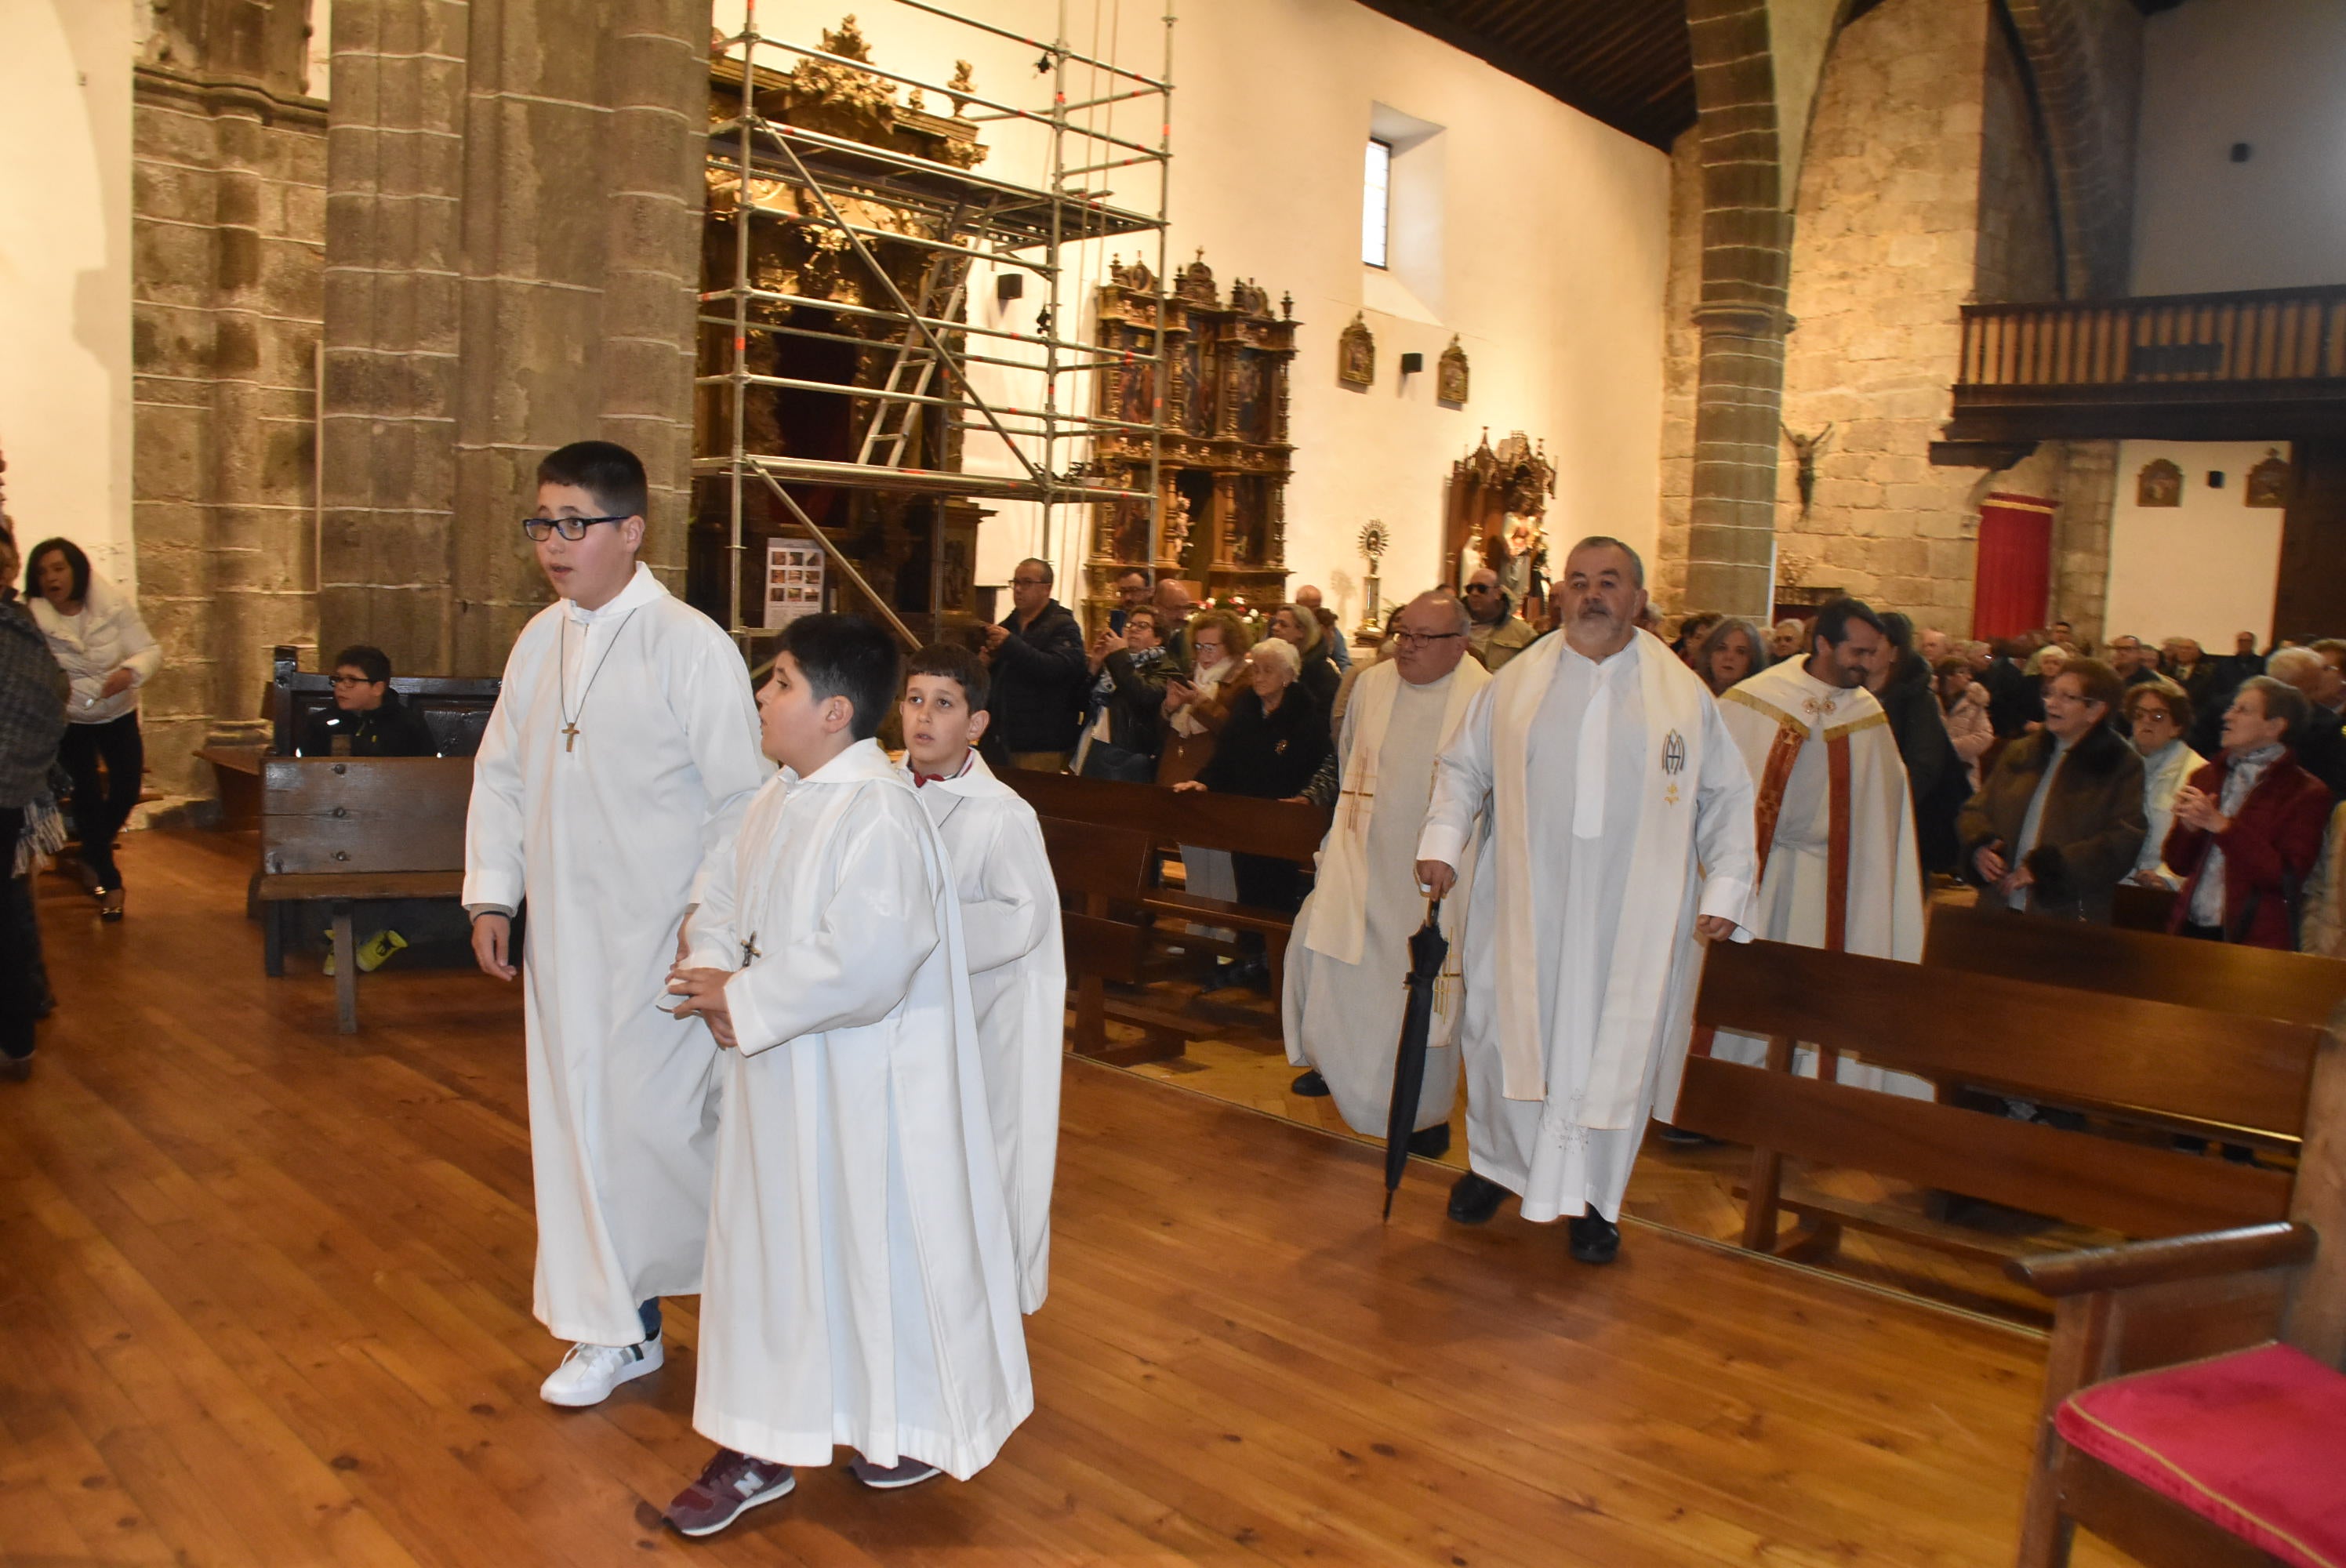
(2203, 570)
(65, 273)
(1555, 230)
(2270, 73)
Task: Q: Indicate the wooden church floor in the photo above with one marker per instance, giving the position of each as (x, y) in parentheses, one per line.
(267, 1293)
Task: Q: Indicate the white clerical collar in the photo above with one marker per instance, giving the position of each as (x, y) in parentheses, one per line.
(862, 761)
(641, 590)
(1619, 658)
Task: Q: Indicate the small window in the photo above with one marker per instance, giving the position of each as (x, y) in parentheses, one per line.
(1376, 202)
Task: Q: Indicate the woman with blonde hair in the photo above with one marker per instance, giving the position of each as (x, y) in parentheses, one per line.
(1731, 651)
(1296, 626)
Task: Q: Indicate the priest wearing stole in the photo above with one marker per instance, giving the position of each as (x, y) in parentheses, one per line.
(1835, 826)
(1342, 1009)
(1611, 821)
(620, 754)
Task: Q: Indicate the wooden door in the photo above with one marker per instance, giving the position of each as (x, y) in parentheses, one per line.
(2309, 599)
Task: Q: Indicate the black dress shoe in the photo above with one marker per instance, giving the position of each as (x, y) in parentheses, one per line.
(1310, 1085)
(1679, 1138)
(1595, 1238)
(1473, 1199)
(1431, 1142)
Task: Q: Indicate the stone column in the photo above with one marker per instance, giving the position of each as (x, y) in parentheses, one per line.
(1747, 242)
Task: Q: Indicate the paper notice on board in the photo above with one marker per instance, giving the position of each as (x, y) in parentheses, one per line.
(793, 581)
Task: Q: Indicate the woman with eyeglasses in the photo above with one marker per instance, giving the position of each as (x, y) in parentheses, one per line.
(2158, 716)
(94, 632)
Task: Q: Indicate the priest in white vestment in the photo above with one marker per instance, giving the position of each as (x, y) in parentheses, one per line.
(1835, 819)
(620, 756)
(1611, 821)
(862, 1287)
(1344, 997)
(1010, 923)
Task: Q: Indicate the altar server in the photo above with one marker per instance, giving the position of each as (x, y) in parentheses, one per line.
(1344, 1004)
(1010, 923)
(621, 753)
(862, 1287)
(1614, 819)
(1835, 824)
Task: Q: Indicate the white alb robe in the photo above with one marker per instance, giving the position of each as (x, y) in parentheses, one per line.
(605, 834)
(1347, 961)
(1605, 832)
(1018, 984)
(1885, 908)
(862, 1287)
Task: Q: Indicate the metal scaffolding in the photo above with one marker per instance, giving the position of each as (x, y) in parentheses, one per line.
(927, 342)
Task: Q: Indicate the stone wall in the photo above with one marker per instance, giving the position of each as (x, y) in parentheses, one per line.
(228, 221)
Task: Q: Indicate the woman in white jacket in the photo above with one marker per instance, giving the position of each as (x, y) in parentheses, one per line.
(94, 630)
(2158, 716)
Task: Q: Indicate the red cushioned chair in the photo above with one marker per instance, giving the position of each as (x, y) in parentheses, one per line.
(2195, 1408)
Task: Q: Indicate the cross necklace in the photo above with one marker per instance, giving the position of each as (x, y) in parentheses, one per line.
(569, 719)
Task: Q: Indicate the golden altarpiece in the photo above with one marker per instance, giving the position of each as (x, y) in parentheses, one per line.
(1226, 457)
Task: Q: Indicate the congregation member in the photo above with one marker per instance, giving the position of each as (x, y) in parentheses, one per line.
(2037, 674)
(2248, 826)
(2318, 670)
(1010, 928)
(1036, 662)
(1341, 1012)
(1902, 683)
(1497, 634)
(2321, 911)
(863, 1285)
(2134, 661)
(34, 696)
(1130, 670)
(2008, 694)
(1731, 651)
(1132, 591)
(367, 719)
(1174, 607)
(1310, 597)
(2059, 823)
(620, 754)
(96, 634)
(1691, 632)
(1933, 645)
(2158, 717)
(1785, 639)
(1196, 706)
(1963, 709)
(1300, 629)
(1834, 818)
(1620, 820)
(2188, 667)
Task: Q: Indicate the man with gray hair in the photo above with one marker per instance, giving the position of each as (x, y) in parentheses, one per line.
(2318, 674)
(1341, 1010)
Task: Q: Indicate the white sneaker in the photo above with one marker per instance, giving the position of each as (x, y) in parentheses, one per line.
(589, 1373)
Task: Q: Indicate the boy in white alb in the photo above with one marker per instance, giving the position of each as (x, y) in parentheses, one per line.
(862, 1287)
(620, 756)
(1010, 923)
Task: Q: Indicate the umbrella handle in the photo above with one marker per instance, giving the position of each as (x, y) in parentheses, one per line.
(1434, 911)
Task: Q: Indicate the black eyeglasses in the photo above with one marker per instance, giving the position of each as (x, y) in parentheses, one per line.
(1420, 639)
(352, 680)
(571, 528)
(1478, 588)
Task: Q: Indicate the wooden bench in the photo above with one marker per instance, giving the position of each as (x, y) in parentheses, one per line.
(2153, 1062)
(2125, 1311)
(2134, 908)
(343, 828)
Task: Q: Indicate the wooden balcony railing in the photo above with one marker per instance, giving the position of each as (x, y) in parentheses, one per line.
(2268, 335)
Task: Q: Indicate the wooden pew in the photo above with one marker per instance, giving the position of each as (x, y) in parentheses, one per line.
(2148, 1062)
(2136, 908)
(1101, 868)
(343, 828)
(2127, 1311)
(455, 708)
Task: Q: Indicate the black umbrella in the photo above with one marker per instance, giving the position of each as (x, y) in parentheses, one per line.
(1427, 948)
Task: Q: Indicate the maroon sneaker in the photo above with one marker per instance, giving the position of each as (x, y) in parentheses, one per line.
(730, 1485)
(908, 1473)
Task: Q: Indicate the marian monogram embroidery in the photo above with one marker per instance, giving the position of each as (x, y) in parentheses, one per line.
(1673, 764)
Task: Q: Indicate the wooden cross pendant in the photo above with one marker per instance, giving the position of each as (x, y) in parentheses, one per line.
(570, 735)
(750, 953)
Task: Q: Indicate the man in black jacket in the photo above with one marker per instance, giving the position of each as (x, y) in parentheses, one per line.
(1039, 673)
(368, 719)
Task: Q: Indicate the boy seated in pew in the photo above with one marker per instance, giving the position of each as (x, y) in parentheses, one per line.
(860, 1286)
(1010, 923)
(368, 719)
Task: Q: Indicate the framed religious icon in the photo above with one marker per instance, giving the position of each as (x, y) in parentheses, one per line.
(1356, 354)
(1450, 375)
(2160, 483)
(2268, 481)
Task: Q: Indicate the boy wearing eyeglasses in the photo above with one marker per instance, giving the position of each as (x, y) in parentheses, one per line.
(368, 719)
(620, 756)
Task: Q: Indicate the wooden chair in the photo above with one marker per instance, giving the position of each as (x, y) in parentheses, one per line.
(344, 829)
(2213, 1486)
(2156, 1063)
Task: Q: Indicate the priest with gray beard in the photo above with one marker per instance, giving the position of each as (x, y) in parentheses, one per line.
(1342, 1007)
(1610, 815)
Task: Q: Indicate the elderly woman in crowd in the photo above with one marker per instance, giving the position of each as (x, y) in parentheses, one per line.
(1731, 651)
(2037, 676)
(2158, 716)
(1963, 708)
(32, 723)
(1296, 626)
(2247, 827)
(2059, 822)
(1270, 747)
(1195, 707)
(94, 632)
(1787, 637)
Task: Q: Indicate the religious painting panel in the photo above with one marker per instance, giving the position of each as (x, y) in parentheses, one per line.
(1196, 378)
(2160, 483)
(2269, 482)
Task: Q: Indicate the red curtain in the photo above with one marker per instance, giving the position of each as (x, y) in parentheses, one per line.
(2016, 565)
